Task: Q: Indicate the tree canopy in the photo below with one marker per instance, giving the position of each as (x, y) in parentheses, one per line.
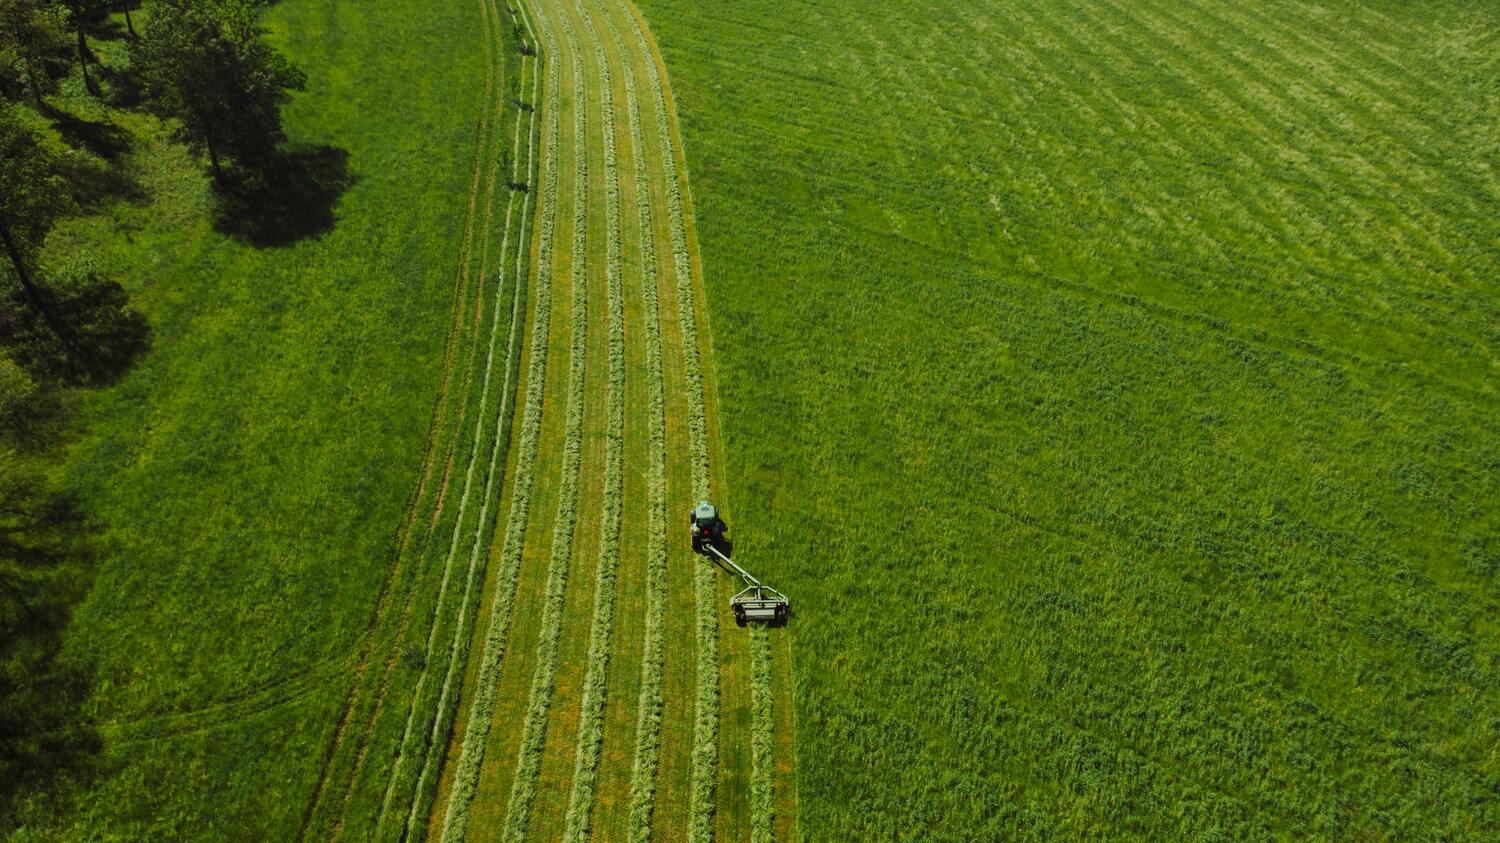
(205, 64)
(34, 47)
(31, 194)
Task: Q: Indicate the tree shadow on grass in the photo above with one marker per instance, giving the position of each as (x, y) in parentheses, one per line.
(97, 176)
(111, 29)
(106, 335)
(46, 740)
(101, 137)
(92, 184)
(121, 87)
(290, 197)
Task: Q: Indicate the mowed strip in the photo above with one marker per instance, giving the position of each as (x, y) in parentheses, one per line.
(436, 611)
(596, 674)
(446, 442)
(733, 805)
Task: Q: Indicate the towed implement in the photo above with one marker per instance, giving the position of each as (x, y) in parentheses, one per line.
(756, 601)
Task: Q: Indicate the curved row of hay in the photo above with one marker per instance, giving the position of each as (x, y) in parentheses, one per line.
(477, 727)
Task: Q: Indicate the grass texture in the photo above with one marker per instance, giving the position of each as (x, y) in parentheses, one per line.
(1112, 388)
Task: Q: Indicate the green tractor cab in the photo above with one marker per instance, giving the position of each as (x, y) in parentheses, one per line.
(707, 528)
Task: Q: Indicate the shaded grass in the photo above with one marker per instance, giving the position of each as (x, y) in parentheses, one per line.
(248, 474)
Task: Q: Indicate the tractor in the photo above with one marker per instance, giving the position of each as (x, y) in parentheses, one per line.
(755, 602)
(708, 528)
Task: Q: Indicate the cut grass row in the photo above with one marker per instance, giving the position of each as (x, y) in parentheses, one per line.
(590, 738)
(762, 739)
(706, 638)
(471, 753)
(534, 731)
(649, 705)
(406, 781)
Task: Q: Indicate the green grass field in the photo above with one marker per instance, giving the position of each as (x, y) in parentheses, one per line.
(1113, 386)
(369, 506)
(248, 477)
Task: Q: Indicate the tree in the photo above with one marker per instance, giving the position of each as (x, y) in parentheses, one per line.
(204, 63)
(32, 197)
(129, 24)
(33, 46)
(84, 15)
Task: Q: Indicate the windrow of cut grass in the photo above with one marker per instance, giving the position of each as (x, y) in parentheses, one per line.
(472, 746)
(534, 731)
(706, 704)
(762, 740)
(590, 738)
(430, 709)
(647, 744)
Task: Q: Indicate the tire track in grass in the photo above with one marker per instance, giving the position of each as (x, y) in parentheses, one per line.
(153, 727)
(486, 138)
(590, 737)
(534, 732)
(649, 705)
(471, 753)
(440, 710)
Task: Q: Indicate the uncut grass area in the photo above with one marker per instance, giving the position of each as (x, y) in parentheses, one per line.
(1112, 387)
(247, 478)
